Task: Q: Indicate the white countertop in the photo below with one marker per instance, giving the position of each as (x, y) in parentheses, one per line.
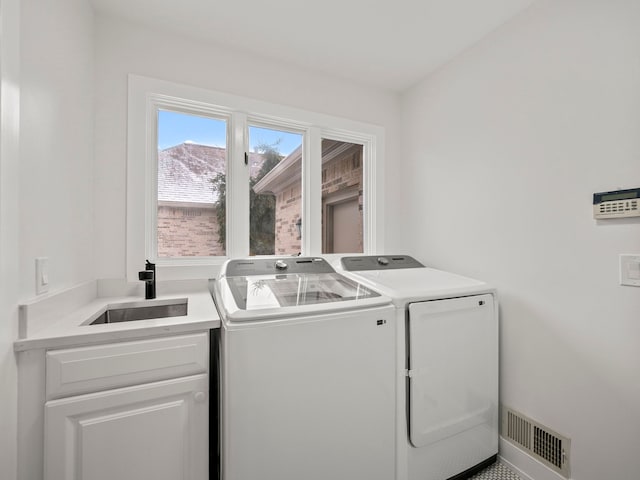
(70, 328)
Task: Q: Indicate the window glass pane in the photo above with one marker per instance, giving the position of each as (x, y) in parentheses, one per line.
(275, 192)
(192, 156)
(342, 189)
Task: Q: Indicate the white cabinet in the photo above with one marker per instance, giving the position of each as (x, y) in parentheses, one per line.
(154, 431)
(100, 367)
(127, 411)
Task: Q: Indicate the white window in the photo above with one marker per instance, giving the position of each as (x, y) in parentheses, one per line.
(212, 176)
(191, 179)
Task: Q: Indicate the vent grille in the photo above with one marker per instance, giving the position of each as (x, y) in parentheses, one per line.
(536, 439)
(547, 446)
(519, 430)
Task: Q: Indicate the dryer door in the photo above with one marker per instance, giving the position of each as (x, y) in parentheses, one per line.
(453, 369)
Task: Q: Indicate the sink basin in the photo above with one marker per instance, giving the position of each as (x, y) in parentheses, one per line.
(143, 310)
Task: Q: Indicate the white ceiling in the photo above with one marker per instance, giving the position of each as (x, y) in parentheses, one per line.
(391, 44)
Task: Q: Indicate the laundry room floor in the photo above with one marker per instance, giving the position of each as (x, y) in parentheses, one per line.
(497, 471)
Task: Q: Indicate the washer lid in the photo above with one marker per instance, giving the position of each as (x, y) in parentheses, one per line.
(411, 282)
(253, 289)
(271, 291)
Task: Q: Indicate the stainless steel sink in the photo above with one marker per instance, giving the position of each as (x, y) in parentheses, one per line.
(143, 310)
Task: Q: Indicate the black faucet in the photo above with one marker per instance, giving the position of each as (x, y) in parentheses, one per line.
(148, 276)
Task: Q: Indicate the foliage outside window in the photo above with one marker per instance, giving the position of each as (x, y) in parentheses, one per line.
(262, 207)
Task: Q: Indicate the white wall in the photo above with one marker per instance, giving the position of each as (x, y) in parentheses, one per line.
(123, 48)
(503, 149)
(46, 169)
(56, 179)
(9, 225)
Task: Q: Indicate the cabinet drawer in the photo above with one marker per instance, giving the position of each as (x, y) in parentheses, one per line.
(88, 369)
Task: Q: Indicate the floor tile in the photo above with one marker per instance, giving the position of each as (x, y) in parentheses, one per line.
(497, 471)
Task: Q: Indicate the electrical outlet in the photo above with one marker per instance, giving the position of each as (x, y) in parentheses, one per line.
(630, 270)
(42, 275)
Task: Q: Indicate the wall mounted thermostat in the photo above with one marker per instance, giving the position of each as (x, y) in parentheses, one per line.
(617, 204)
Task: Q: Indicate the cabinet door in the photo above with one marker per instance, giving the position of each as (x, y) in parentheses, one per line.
(155, 431)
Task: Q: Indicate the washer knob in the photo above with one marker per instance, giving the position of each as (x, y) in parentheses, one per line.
(281, 265)
(383, 261)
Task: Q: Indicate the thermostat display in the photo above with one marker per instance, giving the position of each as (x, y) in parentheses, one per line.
(617, 204)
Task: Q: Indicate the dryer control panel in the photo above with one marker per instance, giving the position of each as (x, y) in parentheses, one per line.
(379, 262)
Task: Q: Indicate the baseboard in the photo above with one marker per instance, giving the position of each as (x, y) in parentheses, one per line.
(523, 465)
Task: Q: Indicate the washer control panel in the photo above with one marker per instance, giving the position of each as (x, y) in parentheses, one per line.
(270, 266)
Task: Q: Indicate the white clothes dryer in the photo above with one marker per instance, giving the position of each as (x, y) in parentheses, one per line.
(447, 365)
(308, 388)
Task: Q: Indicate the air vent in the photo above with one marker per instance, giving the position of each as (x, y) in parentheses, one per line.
(518, 430)
(539, 441)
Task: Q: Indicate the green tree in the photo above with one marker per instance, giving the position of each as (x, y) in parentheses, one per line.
(262, 208)
(220, 187)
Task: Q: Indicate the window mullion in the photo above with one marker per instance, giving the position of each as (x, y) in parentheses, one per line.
(237, 188)
(373, 196)
(151, 181)
(312, 193)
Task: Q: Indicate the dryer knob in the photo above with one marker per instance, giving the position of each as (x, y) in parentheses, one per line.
(281, 265)
(383, 261)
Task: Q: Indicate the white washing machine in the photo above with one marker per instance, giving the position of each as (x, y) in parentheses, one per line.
(447, 365)
(308, 387)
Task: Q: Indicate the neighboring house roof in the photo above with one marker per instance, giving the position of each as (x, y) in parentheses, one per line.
(290, 168)
(185, 172)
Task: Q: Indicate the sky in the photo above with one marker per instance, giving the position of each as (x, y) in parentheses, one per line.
(175, 128)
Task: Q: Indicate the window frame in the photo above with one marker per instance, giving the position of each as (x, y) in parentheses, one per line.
(147, 95)
(156, 103)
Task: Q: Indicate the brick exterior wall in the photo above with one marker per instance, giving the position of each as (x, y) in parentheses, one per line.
(339, 174)
(187, 232)
(288, 211)
(344, 173)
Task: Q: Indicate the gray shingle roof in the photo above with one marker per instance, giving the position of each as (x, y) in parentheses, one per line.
(185, 172)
